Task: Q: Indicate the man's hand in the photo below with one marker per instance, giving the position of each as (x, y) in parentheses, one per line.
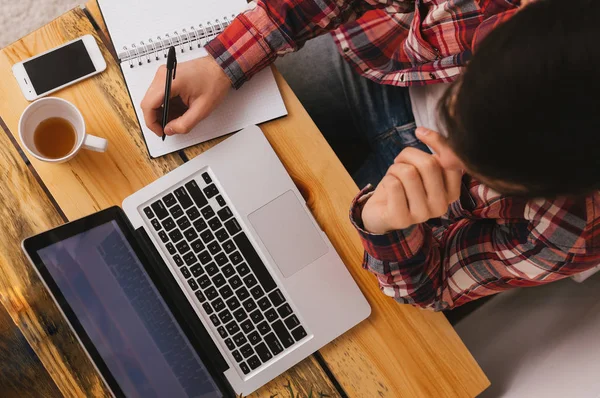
(415, 189)
(201, 84)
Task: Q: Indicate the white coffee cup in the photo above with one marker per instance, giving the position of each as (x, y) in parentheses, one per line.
(46, 108)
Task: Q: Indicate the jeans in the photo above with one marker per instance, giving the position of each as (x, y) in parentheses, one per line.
(367, 124)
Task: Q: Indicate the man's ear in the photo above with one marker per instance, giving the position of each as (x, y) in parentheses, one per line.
(439, 146)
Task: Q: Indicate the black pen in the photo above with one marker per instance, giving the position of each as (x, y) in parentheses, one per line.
(171, 69)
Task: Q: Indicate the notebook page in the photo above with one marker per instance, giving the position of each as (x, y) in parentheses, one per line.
(131, 21)
(257, 101)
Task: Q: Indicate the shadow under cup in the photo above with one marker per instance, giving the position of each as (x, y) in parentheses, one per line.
(46, 108)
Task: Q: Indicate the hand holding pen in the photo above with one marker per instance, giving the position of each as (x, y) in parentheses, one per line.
(201, 85)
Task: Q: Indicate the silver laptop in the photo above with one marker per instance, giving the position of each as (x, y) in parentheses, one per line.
(210, 281)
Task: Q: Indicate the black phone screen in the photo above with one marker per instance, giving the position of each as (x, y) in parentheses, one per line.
(59, 67)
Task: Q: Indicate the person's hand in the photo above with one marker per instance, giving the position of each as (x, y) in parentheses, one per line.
(201, 84)
(415, 189)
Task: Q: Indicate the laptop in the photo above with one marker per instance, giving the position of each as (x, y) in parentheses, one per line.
(209, 282)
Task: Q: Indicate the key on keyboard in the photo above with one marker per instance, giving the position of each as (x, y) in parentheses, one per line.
(163, 236)
(160, 209)
(207, 212)
(183, 197)
(197, 246)
(196, 193)
(148, 212)
(176, 211)
(256, 264)
(233, 327)
(222, 235)
(169, 224)
(237, 356)
(183, 223)
(190, 234)
(210, 191)
(214, 223)
(200, 225)
(224, 214)
(171, 249)
(170, 200)
(193, 213)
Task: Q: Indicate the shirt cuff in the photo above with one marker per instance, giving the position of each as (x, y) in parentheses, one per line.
(394, 246)
(249, 44)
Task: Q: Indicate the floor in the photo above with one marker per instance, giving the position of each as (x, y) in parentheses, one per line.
(539, 342)
(19, 17)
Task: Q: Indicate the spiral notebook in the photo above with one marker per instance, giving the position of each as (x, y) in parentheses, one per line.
(142, 32)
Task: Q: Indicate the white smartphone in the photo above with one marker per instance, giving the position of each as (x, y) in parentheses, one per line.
(60, 67)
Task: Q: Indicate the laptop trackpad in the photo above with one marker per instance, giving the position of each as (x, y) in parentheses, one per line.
(288, 233)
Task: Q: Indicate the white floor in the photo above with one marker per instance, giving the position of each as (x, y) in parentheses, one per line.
(539, 342)
(19, 17)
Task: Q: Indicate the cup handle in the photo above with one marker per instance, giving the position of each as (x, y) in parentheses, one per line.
(94, 143)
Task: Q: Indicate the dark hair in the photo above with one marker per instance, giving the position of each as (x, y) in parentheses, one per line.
(527, 109)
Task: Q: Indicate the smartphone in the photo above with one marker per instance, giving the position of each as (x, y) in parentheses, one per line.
(60, 67)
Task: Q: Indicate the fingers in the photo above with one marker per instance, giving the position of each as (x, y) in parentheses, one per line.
(198, 110)
(153, 100)
(431, 175)
(394, 198)
(413, 190)
(434, 140)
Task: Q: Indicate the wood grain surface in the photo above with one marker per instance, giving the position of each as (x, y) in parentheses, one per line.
(24, 211)
(92, 181)
(22, 375)
(398, 352)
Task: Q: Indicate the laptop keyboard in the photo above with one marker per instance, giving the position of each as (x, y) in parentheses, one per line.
(230, 281)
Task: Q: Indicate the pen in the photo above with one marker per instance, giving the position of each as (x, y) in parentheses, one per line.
(171, 69)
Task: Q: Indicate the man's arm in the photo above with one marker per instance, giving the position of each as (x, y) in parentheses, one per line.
(275, 27)
(447, 267)
(252, 41)
(510, 243)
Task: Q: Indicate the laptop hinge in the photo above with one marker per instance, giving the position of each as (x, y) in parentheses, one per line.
(182, 310)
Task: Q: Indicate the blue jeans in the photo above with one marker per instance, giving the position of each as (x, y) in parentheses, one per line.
(367, 124)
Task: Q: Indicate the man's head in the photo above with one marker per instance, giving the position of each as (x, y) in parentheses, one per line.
(525, 116)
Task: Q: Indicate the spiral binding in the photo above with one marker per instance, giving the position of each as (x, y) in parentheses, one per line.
(185, 40)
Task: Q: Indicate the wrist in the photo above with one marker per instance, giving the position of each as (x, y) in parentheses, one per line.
(372, 222)
(217, 71)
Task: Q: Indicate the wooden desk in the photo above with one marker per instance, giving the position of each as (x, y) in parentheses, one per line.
(398, 352)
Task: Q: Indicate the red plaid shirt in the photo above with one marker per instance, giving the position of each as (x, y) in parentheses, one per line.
(483, 248)
(497, 244)
(398, 42)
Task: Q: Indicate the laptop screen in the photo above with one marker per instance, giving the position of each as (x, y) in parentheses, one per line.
(125, 317)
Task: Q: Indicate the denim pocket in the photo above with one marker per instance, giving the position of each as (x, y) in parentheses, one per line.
(392, 142)
(385, 149)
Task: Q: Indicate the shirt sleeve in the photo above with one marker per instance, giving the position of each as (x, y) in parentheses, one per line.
(272, 28)
(489, 25)
(445, 267)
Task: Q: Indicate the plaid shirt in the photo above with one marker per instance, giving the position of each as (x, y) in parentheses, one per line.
(483, 247)
(397, 42)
